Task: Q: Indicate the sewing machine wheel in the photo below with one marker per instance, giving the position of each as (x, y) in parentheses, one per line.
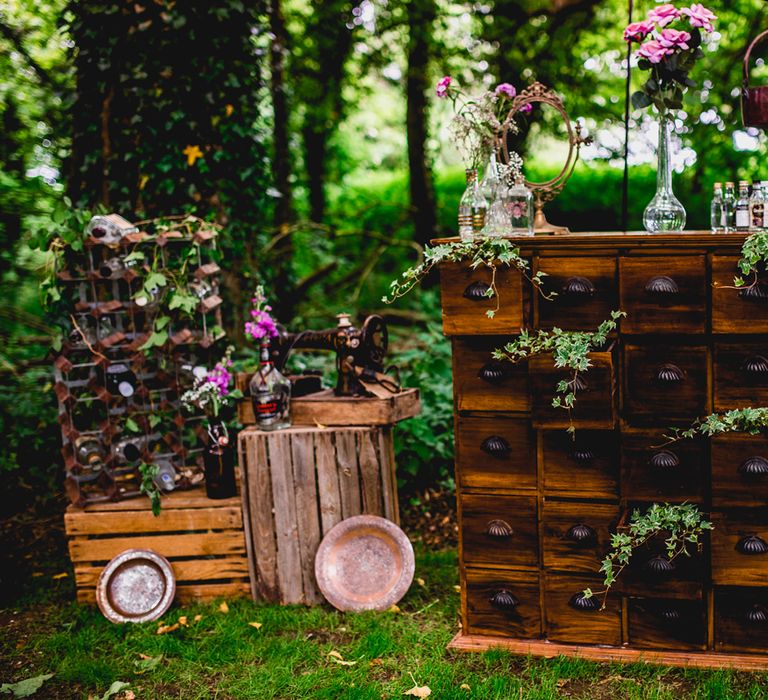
(376, 339)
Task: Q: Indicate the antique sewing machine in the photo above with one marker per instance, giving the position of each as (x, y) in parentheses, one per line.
(359, 354)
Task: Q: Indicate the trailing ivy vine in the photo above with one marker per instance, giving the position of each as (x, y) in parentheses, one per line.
(148, 486)
(754, 259)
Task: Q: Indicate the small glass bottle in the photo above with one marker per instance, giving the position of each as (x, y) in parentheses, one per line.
(716, 209)
(520, 203)
(497, 223)
(741, 208)
(472, 208)
(90, 453)
(757, 208)
(729, 205)
(270, 393)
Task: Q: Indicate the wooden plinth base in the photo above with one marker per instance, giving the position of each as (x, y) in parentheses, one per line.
(533, 647)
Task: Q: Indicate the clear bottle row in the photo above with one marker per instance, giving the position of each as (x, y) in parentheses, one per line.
(743, 212)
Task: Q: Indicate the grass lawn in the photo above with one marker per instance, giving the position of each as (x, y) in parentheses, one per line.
(221, 655)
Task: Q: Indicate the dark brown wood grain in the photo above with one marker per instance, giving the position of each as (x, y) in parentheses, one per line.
(658, 623)
(731, 567)
(738, 619)
(483, 618)
(477, 469)
(483, 549)
(585, 465)
(732, 311)
(740, 375)
(736, 464)
(681, 312)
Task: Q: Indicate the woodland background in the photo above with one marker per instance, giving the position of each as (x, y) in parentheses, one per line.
(322, 150)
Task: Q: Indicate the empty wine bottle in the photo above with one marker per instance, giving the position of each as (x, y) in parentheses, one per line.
(120, 380)
(270, 393)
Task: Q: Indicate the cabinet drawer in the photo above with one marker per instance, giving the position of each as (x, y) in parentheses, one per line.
(740, 547)
(736, 310)
(739, 470)
(484, 384)
(595, 392)
(572, 618)
(658, 623)
(577, 535)
(741, 619)
(465, 303)
(499, 531)
(503, 603)
(741, 375)
(583, 292)
(663, 294)
(587, 466)
(666, 383)
(675, 472)
(498, 453)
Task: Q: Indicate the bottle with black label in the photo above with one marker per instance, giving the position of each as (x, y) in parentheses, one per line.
(757, 207)
(743, 222)
(270, 393)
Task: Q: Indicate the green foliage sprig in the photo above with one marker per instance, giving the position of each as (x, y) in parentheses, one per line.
(752, 421)
(683, 525)
(754, 259)
(148, 486)
(569, 350)
(482, 252)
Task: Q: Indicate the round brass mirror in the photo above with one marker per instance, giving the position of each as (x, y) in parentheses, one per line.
(544, 192)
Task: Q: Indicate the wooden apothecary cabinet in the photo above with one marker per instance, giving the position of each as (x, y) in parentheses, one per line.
(537, 508)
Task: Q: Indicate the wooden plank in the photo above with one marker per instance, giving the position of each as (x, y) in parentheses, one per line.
(349, 473)
(549, 650)
(244, 444)
(262, 524)
(108, 523)
(388, 474)
(186, 593)
(307, 516)
(189, 570)
(369, 471)
(289, 574)
(194, 498)
(327, 481)
(182, 545)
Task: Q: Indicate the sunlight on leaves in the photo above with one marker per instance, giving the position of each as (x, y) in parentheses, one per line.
(257, 625)
(224, 608)
(339, 659)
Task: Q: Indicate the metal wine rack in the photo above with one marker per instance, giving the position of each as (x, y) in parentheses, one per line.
(118, 404)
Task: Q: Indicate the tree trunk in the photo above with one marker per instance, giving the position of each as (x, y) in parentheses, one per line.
(421, 17)
(315, 151)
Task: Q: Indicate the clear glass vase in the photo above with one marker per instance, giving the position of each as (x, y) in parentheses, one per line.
(472, 208)
(664, 212)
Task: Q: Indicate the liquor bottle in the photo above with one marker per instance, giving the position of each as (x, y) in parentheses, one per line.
(520, 203)
(89, 453)
(741, 208)
(270, 393)
(472, 208)
(716, 209)
(120, 380)
(729, 203)
(757, 208)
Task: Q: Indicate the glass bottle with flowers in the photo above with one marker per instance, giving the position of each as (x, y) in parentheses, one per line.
(209, 393)
(669, 42)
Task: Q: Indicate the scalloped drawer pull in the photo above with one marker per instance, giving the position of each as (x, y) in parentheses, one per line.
(756, 292)
(578, 288)
(664, 459)
(581, 533)
(669, 614)
(662, 286)
(755, 365)
(754, 466)
(757, 614)
(477, 291)
(659, 566)
(579, 601)
(504, 600)
(499, 528)
(496, 446)
(577, 383)
(669, 373)
(493, 372)
(752, 545)
(582, 455)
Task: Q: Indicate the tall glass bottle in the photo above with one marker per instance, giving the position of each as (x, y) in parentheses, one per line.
(757, 208)
(270, 393)
(729, 208)
(664, 212)
(472, 208)
(716, 209)
(741, 208)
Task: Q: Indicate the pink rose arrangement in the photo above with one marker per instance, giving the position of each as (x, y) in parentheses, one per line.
(668, 52)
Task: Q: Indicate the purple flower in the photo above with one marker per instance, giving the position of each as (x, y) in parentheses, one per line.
(700, 16)
(506, 89)
(663, 14)
(220, 377)
(262, 325)
(637, 31)
(653, 51)
(442, 86)
(526, 108)
(674, 39)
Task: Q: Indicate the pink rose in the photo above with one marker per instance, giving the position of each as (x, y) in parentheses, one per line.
(653, 51)
(637, 31)
(442, 86)
(506, 89)
(663, 14)
(674, 39)
(700, 16)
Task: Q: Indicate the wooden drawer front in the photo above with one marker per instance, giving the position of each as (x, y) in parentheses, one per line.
(666, 383)
(658, 623)
(577, 535)
(740, 548)
(503, 603)
(484, 384)
(651, 574)
(595, 405)
(586, 467)
(741, 375)
(584, 292)
(741, 619)
(572, 618)
(674, 472)
(736, 310)
(497, 453)
(739, 471)
(499, 530)
(664, 294)
(465, 306)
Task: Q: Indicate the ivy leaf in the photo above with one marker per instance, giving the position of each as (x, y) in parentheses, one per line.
(161, 322)
(154, 420)
(132, 426)
(155, 340)
(27, 687)
(186, 302)
(135, 256)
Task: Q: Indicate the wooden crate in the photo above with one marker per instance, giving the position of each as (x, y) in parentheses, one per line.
(202, 538)
(296, 485)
